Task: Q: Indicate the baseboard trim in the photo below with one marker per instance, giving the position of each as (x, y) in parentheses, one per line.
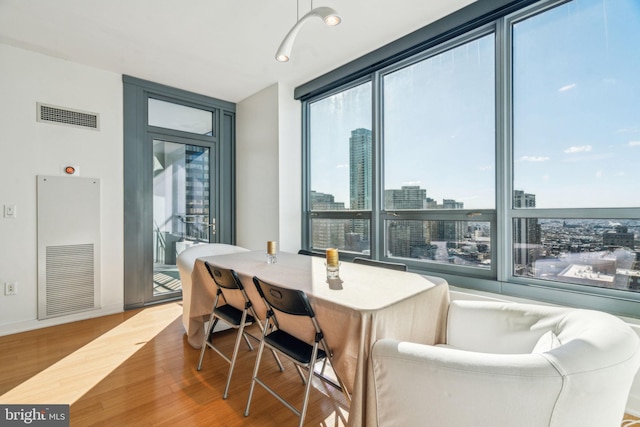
(33, 324)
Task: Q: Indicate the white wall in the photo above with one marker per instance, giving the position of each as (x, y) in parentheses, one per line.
(290, 167)
(268, 168)
(29, 148)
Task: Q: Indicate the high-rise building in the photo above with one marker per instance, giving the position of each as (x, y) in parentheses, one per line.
(408, 197)
(325, 202)
(618, 237)
(452, 204)
(196, 193)
(327, 233)
(527, 233)
(360, 175)
(404, 235)
(523, 200)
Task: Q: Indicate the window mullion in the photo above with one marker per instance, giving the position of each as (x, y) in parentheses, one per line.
(377, 224)
(504, 166)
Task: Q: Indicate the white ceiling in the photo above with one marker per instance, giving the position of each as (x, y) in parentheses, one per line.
(220, 48)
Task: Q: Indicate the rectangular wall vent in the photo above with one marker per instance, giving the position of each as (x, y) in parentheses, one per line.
(68, 245)
(67, 116)
(70, 279)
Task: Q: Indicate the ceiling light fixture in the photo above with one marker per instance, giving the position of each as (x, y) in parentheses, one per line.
(327, 14)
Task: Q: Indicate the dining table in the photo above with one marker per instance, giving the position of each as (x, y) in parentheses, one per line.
(362, 305)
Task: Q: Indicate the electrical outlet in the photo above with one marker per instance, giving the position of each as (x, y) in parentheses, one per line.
(10, 288)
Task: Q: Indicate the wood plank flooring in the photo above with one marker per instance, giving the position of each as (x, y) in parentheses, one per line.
(137, 369)
(91, 365)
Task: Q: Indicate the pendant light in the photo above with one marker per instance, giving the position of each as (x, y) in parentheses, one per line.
(328, 15)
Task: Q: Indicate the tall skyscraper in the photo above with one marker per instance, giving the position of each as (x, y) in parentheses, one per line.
(360, 146)
(360, 175)
(196, 193)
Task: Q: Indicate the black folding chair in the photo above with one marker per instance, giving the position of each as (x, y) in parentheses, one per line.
(384, 264)
(235, 318)
(311, 253)
(302, 354)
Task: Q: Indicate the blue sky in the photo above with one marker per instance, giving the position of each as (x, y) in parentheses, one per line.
(576, 127)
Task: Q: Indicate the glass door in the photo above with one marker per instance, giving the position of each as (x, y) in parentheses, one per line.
(181, 208)
(179, 184)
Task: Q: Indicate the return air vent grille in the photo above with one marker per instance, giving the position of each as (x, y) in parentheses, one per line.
(68, 245)
(70, 275)
(66, 116)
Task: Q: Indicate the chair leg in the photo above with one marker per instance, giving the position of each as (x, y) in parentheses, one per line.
(207, 335)
(324, 365)
(255, 369)
(275, 356)
(232, 363)
(305, 403)
(246, 339)
(301, 374)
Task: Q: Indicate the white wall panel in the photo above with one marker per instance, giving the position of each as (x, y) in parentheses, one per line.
(29, 148)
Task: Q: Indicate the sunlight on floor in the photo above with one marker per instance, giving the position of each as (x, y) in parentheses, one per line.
(337, 419)
(70, 378)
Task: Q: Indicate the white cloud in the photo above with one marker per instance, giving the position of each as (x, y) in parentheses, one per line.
(546, 178)
(567, 87)
(599, 174)
(342, 166)
(534, 159)
(634, 143)
(580, 149)
(486, 168)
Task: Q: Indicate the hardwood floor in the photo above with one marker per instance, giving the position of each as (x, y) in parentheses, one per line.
(90, 365)
(630, 421)
(137, 369)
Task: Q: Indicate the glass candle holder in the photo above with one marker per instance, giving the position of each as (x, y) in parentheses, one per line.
(272, 258)
(333, 271)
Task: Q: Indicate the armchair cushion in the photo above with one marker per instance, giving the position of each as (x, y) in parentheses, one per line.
(547, 342)
(509, 364)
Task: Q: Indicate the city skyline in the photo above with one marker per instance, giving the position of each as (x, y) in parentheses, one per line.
(592, 252)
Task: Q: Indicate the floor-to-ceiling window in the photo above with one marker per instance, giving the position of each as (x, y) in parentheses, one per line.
(439, 157)
(340, 174)
(576, 144)
(502, 153)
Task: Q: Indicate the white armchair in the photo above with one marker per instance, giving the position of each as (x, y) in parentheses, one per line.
(509, 364)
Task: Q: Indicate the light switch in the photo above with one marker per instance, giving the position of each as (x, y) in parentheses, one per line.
(9, 211)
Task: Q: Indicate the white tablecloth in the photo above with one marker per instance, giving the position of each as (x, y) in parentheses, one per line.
(364, 305)
(196, 311)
